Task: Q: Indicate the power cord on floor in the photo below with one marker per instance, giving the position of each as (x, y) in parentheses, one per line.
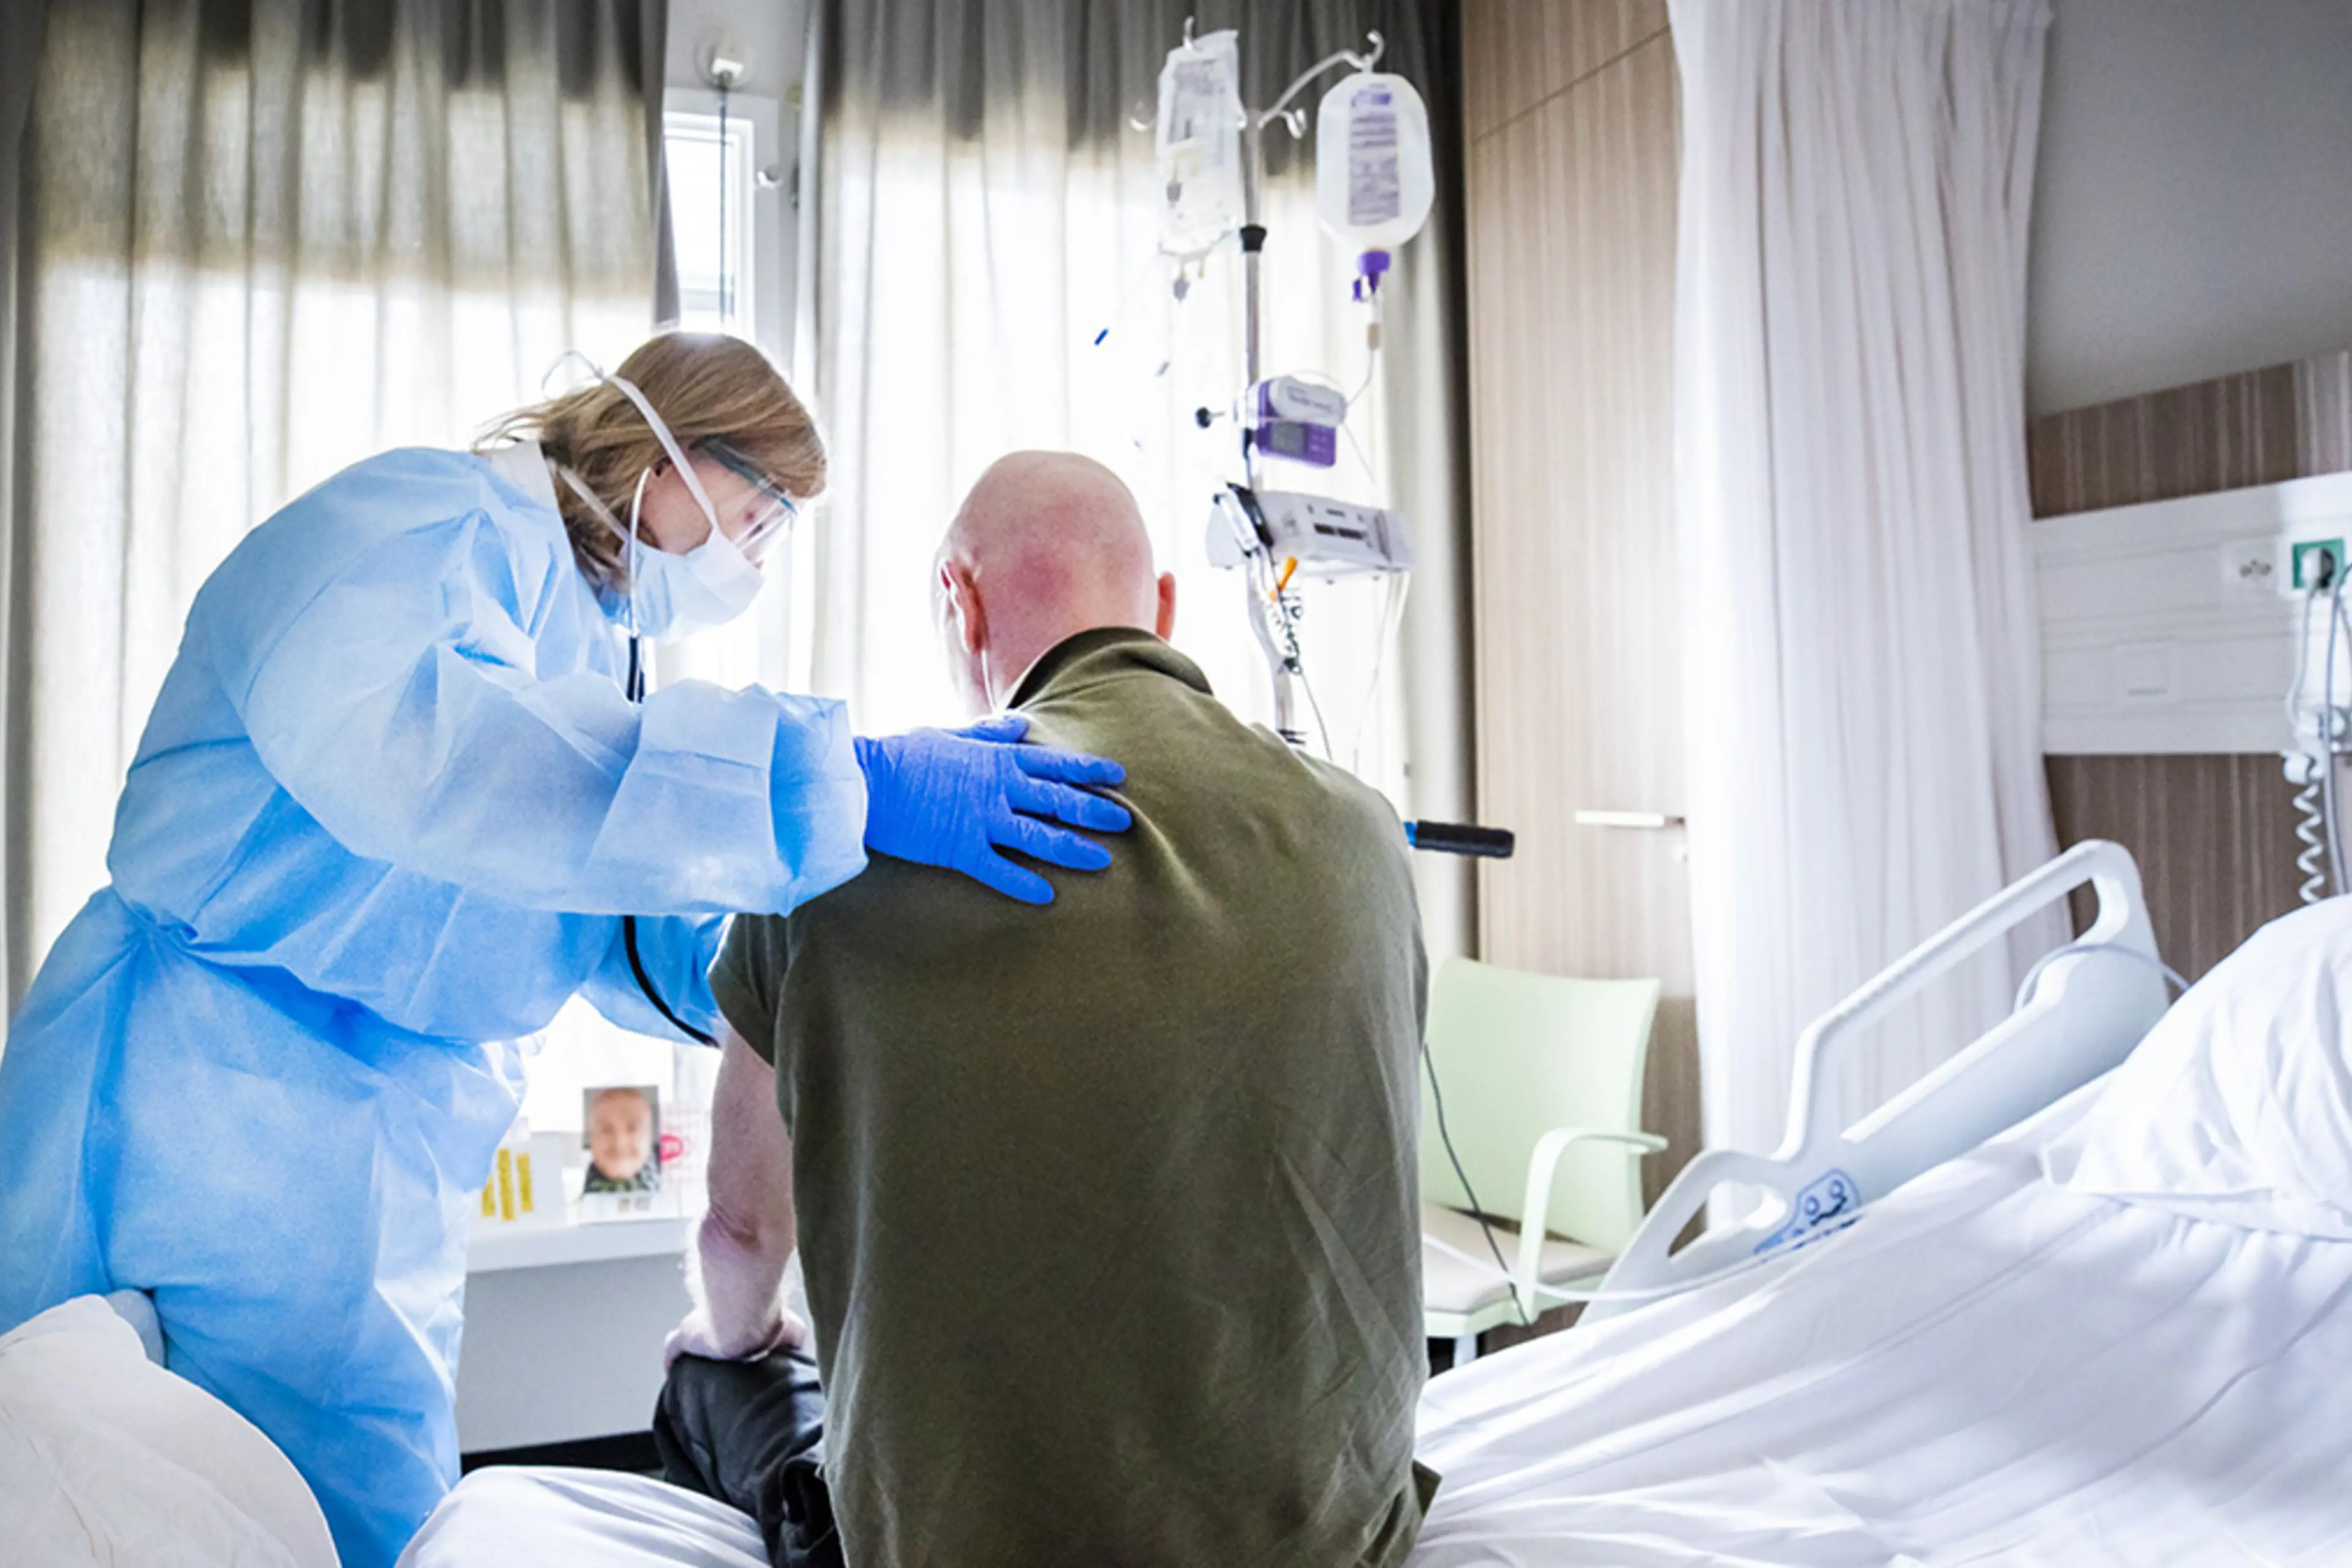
(1478, 1209)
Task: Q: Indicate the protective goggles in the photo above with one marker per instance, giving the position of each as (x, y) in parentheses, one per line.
(771, 509)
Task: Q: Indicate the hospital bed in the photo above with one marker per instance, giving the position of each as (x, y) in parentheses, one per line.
(2088, 1004)
(2117, 1332)
(1986, 1345)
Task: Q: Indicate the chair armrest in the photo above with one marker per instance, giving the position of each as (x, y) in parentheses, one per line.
(1543, 1167)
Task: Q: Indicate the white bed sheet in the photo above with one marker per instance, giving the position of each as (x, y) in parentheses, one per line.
(1985, 1368)
(550, 1516)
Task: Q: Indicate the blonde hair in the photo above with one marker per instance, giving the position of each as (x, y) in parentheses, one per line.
(706, 386)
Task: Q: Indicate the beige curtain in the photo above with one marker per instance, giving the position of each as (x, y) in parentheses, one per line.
(984, 279)
(261, 239)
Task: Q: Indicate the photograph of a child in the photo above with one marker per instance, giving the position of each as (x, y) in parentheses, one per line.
(623, 1132)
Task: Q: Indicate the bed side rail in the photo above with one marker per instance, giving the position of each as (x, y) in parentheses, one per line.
(2086, 1013)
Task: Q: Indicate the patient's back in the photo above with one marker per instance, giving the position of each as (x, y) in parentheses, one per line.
(1109, 1209)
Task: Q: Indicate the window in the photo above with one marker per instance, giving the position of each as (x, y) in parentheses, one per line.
(711, 159)
(726, 223)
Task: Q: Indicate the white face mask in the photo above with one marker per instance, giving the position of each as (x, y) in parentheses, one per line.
(672, 595)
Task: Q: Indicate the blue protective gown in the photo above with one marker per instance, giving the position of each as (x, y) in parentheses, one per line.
(389, 806)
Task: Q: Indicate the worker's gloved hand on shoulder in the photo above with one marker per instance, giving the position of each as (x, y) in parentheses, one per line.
(955, 797)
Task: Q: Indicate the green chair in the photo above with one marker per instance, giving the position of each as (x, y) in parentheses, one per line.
(1542, 1079)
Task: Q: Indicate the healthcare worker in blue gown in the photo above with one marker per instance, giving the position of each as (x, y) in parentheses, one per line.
(392, 805)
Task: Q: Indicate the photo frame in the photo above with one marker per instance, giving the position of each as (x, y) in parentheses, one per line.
(621, 1130)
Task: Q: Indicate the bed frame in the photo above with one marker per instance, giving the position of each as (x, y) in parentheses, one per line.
(2088, 1009)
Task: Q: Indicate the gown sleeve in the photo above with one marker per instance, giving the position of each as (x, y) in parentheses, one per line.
(677, 953)
(402, 707)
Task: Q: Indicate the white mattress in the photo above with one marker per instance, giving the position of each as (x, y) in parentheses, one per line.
(1986, 1368)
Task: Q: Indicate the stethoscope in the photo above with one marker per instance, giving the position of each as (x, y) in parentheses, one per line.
(633, 684)
(634, 687)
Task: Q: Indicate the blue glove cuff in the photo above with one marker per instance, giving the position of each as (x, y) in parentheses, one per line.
(872, 758)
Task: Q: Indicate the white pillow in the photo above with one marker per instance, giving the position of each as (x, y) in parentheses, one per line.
(2237, 1106)
(107, 1459)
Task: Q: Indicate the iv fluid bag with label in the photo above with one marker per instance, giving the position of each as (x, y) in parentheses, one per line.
(1372, 176)
(1197, 147)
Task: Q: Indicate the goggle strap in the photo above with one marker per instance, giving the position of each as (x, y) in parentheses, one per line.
(591, 499)
(668, 444)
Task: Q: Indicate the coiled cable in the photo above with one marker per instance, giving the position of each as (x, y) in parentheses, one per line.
(2320, 863)
(2329, 729)
(2306, 769)
(2310, 828)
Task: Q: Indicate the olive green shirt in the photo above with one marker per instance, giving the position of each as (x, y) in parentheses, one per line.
(1109, 1209)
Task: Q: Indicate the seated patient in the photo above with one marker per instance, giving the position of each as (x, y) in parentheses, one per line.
(1107, 1209)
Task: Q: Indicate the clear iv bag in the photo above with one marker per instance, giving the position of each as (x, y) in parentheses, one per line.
(1197, 147)
(1374, 180)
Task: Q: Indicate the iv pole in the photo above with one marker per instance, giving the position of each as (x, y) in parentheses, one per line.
(1273, 611)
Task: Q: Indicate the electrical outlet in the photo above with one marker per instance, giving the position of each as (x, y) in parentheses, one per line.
(2252, 566)
(2309, 556)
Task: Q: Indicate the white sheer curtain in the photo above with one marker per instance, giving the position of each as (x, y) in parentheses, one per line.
(21, 29)
(1862, 667)
(262, 239)
(986, 280)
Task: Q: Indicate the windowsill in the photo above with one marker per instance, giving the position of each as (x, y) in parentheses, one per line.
(605, 1241)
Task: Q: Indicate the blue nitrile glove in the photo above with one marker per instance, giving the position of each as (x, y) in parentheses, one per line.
(953, 797)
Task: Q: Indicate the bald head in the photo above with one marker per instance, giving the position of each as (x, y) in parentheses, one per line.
(1047, 545)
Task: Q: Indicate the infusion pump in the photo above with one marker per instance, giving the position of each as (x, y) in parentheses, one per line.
(1327, 538)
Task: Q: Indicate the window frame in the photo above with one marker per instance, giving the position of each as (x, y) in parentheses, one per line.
(765, 185)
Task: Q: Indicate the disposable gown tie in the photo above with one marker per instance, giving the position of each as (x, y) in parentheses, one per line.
(387, 810)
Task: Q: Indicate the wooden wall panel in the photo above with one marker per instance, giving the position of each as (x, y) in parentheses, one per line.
(2214, 835)
(2323, 389)
(1571, 208)
(1518, 53)
(2257, 428)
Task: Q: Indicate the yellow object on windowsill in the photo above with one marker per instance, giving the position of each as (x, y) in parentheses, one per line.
(526, 1186)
